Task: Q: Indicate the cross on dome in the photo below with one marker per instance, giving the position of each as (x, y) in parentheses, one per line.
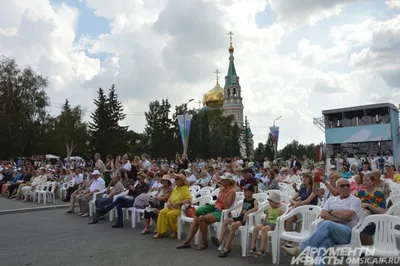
(216, 72)
(230, 35)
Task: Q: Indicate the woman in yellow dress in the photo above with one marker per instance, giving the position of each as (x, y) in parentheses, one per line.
(168, 217)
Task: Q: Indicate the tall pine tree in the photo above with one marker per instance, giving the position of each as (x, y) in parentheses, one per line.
(99, 127)
(235, 140)
(159, 130)
(106, 133)
(116, 116)
(247, 139)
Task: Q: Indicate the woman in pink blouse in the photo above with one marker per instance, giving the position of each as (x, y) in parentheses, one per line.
(357, 184)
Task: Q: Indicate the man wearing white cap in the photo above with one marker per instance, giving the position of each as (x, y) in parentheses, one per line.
(97, 185)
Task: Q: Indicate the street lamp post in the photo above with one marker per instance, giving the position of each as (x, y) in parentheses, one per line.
(184, 127)
(276, 139)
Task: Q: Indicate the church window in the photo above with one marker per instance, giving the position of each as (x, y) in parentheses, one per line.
(234, 92)
(229, 92)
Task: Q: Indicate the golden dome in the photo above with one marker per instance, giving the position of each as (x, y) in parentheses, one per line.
(214, 98)
(231, 48)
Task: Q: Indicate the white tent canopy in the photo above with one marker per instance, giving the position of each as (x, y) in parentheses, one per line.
(50, 156)
(74, 158)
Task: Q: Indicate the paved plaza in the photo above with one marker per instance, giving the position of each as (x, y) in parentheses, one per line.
(51, 237)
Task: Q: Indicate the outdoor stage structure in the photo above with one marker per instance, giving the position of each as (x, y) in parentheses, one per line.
(362, 130)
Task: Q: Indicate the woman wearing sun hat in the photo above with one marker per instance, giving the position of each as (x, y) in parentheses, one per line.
(157, 202)
(168, 217)
(209, 214)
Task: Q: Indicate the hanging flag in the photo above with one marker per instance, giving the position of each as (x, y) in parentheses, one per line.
(274, 134)
(184, 122)
(319, 153)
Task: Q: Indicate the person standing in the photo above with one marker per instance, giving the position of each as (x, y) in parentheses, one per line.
(109, 169)
(98, 163)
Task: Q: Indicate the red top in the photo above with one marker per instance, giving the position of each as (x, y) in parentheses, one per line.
(222, 194)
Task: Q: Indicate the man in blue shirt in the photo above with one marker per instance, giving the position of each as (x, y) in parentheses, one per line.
(381, 163)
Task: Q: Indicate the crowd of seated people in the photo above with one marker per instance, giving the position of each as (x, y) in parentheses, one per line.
(162, 190)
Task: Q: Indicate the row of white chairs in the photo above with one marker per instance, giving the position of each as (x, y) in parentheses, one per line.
(45, 192)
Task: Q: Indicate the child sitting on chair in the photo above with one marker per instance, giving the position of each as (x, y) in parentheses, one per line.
(273, 212)
(250, 205)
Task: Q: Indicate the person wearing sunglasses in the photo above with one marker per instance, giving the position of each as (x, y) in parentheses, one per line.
(338, 216)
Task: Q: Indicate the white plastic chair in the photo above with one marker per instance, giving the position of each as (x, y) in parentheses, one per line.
(262, 198)
(64, 188)
(41, 190)
(49, 193)
(184, 219)
(136, 212)
(277, 191)
(285, 199)
(201, 193)
(196, 187)
(215, 193)
(124, 210)
(93, 200)
(394, 199)
(309, 214)
(384, 237)
(283, 186)
(63, 191)
(394, 210)
(256, 219)
(239, 196)
(208, 188)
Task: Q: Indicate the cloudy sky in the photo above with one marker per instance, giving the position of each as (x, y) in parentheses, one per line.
(295, 58)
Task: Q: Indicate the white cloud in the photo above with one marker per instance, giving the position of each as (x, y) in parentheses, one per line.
(294, 12)
(170, 48)
(394, 4)
(312, 55)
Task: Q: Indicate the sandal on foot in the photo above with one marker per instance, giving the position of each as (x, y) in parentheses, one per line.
(183, 246)
(215, 241)
(251, 252)
(202, 246)
(158, 236)
(173, 236)
(223, 253)
(259, 254)
(145, 232)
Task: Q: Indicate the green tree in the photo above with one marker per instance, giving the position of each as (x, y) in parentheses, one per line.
(69, 131)
(134, 142)
(107, 135)
(116, 112)
(205, 135)
(100, 124)
(235, 140)
(247, 139)
(160, 135)
(298, 149)
(23, 115)
(220, 133)
(259, 152)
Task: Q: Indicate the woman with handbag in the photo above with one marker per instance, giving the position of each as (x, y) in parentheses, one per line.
(156, 203)
(209, 214)
(168, 217)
